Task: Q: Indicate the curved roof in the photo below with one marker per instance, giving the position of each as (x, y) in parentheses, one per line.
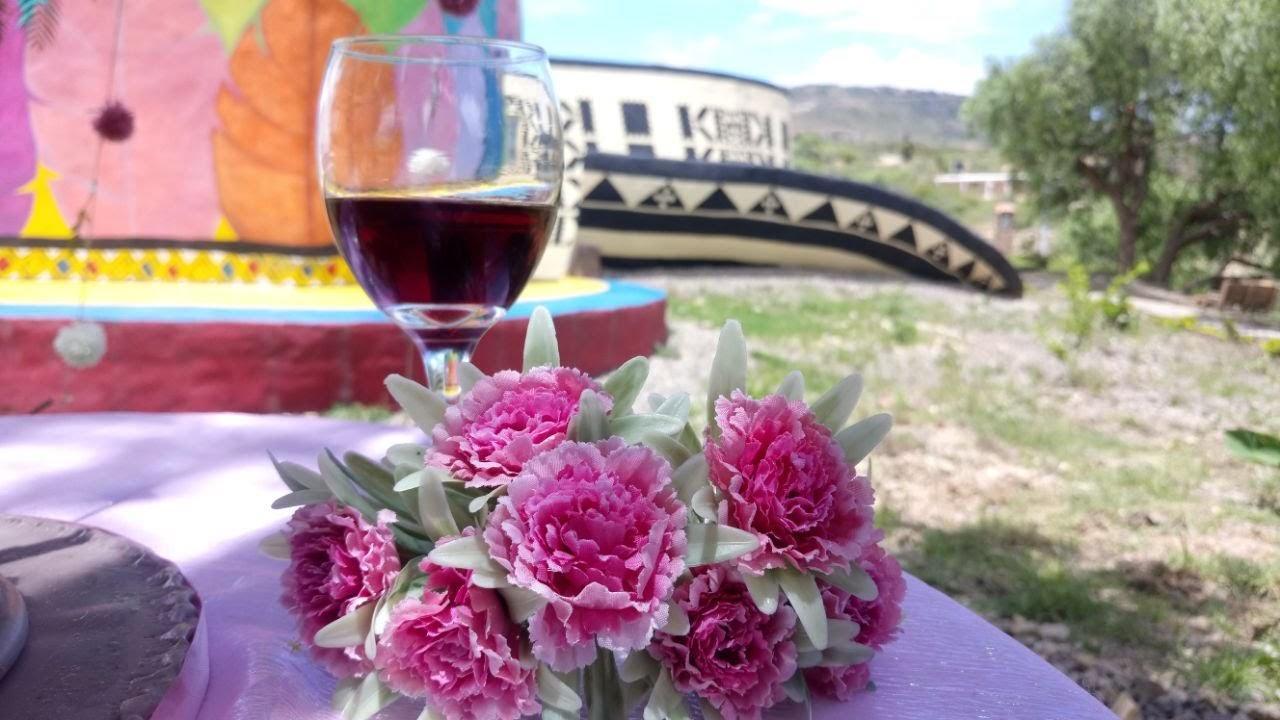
(668, 69)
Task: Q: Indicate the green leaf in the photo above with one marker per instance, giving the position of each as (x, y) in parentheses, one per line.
(638, 666)
(480, 502)
(709, 712)
(704, 504)
(589, 424)
(469, 375)
(301, 497)
(411, 541)
(433, 506)
(296, 477)
(411, 481)
(540, 346)
(764, 590)
(802, 592)
(370, 697)
(623, 385)
(553, 691)
(634, 427)
(343, 692)
(846, 655)
(468, 552)
(343, 486)
(711, 543)
(407, 454)
(521, 603)
(665, 702)
(276, 545)
(859, 439)
(376, 480)
(677, 621)
(796, 688)
(668, 447)
(841, 633)
(424, 407)
(728, 369)
(691, 477)
(854, 581)
(835, 405)
(348, 630)
(493, 577)
(792, 386)
(676, 406)
(1254, 446)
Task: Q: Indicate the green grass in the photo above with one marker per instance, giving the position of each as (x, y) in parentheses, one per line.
(1244, 671)
(356, 411)
(1009, 569)
(823, 336)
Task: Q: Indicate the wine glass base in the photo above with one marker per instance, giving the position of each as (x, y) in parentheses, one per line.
(445, 336)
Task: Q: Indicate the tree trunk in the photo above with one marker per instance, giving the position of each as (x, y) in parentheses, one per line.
(1173, 246)
(1127, 220)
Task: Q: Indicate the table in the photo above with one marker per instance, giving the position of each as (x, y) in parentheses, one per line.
(197, 488)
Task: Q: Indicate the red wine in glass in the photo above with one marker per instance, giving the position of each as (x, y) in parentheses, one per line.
(440, 159)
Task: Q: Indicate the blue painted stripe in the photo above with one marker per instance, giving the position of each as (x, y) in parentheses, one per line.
(619, 295)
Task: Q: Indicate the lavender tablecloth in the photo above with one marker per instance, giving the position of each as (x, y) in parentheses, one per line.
(197, 490)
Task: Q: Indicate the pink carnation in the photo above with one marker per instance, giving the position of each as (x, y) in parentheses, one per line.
(507, 419)
(878, 622)
(734, 656)
(596, 530)
(337, 562)
(785, 479)
(457, 648)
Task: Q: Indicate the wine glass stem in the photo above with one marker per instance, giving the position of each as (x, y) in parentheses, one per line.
(442, 362)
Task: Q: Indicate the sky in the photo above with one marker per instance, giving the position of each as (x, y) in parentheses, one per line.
(917, 44)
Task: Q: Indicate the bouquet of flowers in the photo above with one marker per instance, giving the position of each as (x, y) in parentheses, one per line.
(553, 550)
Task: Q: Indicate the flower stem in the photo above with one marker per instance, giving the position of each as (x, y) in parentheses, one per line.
(603, 688)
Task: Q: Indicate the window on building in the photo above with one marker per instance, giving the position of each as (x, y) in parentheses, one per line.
(635, 118)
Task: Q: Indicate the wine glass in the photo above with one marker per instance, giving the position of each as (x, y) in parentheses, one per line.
(440, 159)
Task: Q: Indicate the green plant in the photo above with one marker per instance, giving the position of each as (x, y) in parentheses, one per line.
(1271, 347)
(1114, 304)
(1087, 313)
(1254, 447)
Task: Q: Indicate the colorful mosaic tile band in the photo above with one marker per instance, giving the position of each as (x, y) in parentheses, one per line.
(172, 264)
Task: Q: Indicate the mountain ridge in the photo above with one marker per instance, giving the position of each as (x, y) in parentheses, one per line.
(880, 114)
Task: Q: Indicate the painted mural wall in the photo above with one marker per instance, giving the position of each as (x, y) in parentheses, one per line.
(182, 119)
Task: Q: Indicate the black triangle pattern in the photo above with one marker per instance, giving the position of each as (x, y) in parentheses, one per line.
(938, 253)
(866, 225)
(604, 192)
(965, 270)
(664, 198)
(717, 201)
(824, 213)
(769, 205)
(905, 236)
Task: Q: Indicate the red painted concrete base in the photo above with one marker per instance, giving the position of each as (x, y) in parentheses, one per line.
(246, 367)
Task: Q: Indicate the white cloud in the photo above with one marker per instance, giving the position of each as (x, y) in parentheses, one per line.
(929, 21)
(698, 53)
(907, 68)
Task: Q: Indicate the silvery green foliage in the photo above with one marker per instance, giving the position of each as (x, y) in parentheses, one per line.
(81, 344)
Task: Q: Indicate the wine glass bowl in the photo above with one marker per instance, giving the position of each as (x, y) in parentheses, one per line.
(440, 159)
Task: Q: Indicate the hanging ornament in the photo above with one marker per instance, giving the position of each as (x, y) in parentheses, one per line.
(81, 344)
(114, 122)
(459, 7)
